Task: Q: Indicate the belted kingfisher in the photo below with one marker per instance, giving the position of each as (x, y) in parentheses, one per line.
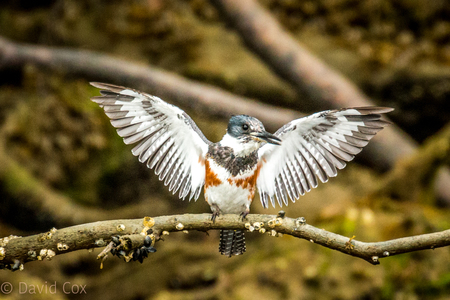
(282, 166)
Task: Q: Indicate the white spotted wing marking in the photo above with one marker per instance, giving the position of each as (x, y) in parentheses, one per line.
(168, 139)
(313, 148)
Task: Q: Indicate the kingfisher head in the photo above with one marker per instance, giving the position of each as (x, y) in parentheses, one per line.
(246, 134)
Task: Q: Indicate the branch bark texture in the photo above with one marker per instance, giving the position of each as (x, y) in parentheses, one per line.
(19, 250)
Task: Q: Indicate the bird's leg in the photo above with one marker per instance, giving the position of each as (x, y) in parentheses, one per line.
(214, 216)
(216, 212)
(244, 214)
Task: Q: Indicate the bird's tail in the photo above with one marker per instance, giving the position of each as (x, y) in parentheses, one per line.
(232, 242)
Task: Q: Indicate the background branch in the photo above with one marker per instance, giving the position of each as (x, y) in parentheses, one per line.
(288, 58)
(183, 92)
(19, 250)
(415, 173)
(60, 209)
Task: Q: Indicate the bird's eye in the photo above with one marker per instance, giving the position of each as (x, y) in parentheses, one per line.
(245, 127)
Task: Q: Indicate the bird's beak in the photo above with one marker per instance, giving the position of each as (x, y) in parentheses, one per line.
(266, 137)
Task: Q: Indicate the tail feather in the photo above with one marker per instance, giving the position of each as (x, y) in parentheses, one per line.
(232, 242)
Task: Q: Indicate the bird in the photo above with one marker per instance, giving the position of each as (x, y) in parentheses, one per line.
(282, 166)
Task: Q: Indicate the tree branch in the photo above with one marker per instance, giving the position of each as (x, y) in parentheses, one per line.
(15, 251)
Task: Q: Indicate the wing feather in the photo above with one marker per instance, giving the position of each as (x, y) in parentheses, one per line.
(296, 181)
(135, 129)
(311, 179)
(278, 192)
(313, 148)
(156, 158)
(288, 178)
(176, 174)
(302, 185)
(286, 188)
(168, 171)
(161, 162)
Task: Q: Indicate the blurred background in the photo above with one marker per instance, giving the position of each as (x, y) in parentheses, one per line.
(59, 151)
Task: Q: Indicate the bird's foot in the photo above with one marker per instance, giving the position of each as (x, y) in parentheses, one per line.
(214, 216)
(244, 214)
(216, 212)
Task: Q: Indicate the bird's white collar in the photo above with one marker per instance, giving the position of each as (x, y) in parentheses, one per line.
(240, 148)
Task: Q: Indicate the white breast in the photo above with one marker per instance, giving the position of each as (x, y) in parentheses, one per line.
(232, 194)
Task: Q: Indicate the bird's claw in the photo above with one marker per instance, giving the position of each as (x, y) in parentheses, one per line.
(243, 215)
(214, 216)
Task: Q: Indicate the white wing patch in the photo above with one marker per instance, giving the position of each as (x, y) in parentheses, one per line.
(314, 148)
(168, 140)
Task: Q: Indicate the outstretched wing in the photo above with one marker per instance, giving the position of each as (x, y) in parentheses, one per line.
(168, 139)
(313, 148)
